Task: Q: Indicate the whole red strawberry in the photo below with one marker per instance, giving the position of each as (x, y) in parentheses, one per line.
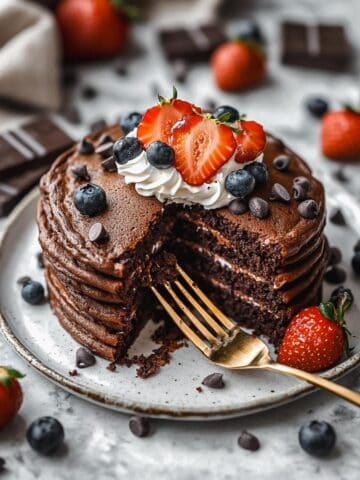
(92, 29)
(237, 65)
(316, 337)
(10, 394)
(340, 135)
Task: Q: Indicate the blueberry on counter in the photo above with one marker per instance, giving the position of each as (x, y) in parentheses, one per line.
(240, 183)
(317, 106)
(33, 292)
(45, 435)
(126, 149)
(259, 171)
(130, 122)
(317, 438)
(231, 112)
(355, 263)
(90, 199)
(160, 155)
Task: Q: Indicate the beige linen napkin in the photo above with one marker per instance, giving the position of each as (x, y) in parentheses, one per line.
(29, 55)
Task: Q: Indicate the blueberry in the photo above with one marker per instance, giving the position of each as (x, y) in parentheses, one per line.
(317, 106)
(258, 171)
(317, 438)
(130, 122)
(232, 113)
(240, 183)
(250, 32)
(126, 149)
(355, 262)
(45, 435)
(33, 292)
(160, 155)
(90, 199)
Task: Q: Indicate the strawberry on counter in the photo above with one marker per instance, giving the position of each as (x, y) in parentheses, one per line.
(11, 395)
(340, 134)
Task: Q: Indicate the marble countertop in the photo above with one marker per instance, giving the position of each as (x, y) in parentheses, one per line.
(99, 444)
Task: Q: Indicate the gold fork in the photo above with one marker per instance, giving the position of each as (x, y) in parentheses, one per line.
(223, 342)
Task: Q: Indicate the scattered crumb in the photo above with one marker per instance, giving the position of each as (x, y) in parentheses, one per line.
(111, 367)
(73, 373)
(199, 389)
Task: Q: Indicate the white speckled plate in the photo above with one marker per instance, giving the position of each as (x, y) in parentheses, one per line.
(37, 337)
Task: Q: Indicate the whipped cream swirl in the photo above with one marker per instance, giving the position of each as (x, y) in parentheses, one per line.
(168, 184)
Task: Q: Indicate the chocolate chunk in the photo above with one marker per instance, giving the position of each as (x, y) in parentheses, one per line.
(279, 192)
(315, 46)
(238, 207)
(214, 380)
(89, 92)
(337, 217)
(180, 69)
(335, 275)
(98, 125)
(105, 150)
(97, 233)
(85, 147)
(299, 192)
(80, 172)
(335, 256)
(2, 464)
(73, 373)
(84, 358)
(259, 207)
(104, 138)
(308, 209)
(281, 162)
(40, 260)
(303, 182)
(340, 176)
(139, 426)
(199, 389)
(357, 246)
(248, 441)
(23, 280)
(109, 164)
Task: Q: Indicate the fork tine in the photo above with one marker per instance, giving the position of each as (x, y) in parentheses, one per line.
(201, 345)
(219, 315)
(190, 316)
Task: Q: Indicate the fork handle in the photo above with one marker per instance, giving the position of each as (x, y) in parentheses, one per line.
(339, 390)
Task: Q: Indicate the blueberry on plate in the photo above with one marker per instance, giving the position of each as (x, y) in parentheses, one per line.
(317, 438)
(160, 155)
(317, 106)
(90, 199)
(130, 122)
(231, 112)
(240, 183)
(45, 435)
(259, 171)
(250, 32)
(355, 263)
(126, 149)
(33, 292)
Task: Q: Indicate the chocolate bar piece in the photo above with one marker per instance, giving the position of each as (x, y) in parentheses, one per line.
(315, 46)
(193, 44)
(32, 145)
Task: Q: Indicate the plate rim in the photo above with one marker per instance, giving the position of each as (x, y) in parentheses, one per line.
(107, 401)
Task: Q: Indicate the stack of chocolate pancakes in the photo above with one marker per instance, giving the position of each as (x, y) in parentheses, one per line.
(259, 271)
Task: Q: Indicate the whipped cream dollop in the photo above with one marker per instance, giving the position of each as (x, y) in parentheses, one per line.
(168, 184)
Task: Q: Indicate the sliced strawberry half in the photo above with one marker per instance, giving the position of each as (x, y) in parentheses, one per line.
(157, 122)
(250, 141)
(202, 145)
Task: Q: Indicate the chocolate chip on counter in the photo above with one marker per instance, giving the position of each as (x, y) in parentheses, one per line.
(238, 207)
(335, 256)
(308, 209)
(111, 367)
(109, 164)
(40, 260)
(98, 125)
(337, 217)
(259, 207)
(89, 92)
(340, 176)
(279, 192)
(105, 150)
(335, 275)
(357, 246)
(85, 147)
(303, 181)
(299, 192)
(2, 464)
(73, 373)
(104, 138)
(214, 380)
(80, 172)
(281, 162)
(180, 69)
(23, 280)
(97, 233)
(355, 263)
(84, 358)
(139, 426)
(248, 441)
(121, 68)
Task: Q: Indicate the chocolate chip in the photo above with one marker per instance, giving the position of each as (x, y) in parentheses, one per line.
(111, 367)
(337, 217)
(335, 275)
(299, 192)
(139, 426)
(104, 138)
(73, 373)
(199, 389)
(89, 92)
(279, 192)
(281, 162)
(340, 176)
(80, 172)
(2, 464)
(214, 380)
(248, 441)
(335, 256)
(40, 260)
(357, 246)
(109, 164)
(121, 68)
(238, 207)
(303, 181)
(98, 125)
(308, 209)
(105, 150)
(85, 147)
(180, 69)
(97, 233)
(84, 358)
(23, 280)
(259, 207)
